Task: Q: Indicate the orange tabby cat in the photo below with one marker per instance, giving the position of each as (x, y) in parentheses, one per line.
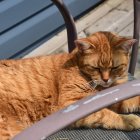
(31, 89)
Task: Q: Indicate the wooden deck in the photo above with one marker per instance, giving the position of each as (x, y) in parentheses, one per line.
(111, 15)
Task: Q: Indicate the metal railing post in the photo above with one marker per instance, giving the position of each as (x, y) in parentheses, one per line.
(134, 54)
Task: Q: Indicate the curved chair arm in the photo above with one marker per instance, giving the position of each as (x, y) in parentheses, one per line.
(69, 22)
(134, 54)
(68, 115)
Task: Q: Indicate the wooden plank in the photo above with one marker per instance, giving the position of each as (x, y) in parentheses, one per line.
(25, 34)
(114, 3)
(89, 19)
(92, 17)
(121, 23)
(127, 31)
(116, 25)
(127, 5)
(97, 14)
(50, 46)
(107, 21)
(24, 8)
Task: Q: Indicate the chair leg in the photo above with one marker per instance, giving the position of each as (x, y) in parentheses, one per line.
(134, 54)
(69, 22)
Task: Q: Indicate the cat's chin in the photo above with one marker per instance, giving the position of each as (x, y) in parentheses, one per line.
(106, 85)
(101, 83)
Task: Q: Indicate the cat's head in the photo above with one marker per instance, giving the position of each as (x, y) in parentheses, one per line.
(104, 57)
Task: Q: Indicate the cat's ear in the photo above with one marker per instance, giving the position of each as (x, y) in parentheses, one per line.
(127, 44)
(82, 45)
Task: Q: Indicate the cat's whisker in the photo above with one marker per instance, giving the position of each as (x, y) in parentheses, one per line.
(86, 86)
(91, 85)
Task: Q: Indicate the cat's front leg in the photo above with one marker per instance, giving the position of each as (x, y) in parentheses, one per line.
(127, 106)
(130, 105)
(72, 91)
(109, 120)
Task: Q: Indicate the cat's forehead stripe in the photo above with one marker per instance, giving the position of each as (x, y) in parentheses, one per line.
(105, 58)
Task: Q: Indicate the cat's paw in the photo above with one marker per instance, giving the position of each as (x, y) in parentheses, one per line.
(130, 122)
(130, 109)
(131, 105)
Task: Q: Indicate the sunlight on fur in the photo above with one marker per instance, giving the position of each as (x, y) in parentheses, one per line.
(31, 89)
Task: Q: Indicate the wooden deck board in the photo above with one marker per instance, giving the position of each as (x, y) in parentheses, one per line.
(108, 22)
(58, 41)
(116, 20)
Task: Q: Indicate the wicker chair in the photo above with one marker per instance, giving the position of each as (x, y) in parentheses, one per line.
(45, 129)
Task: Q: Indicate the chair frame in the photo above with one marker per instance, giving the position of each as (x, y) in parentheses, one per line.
(134, 54)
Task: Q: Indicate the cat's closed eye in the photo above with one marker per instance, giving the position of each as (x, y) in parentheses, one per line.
(114, 68)
(119, 67)
(94, 68)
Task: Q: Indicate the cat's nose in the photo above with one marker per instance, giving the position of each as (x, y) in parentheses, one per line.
(105, 80)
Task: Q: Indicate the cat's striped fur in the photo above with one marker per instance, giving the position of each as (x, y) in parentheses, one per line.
(33, 88)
